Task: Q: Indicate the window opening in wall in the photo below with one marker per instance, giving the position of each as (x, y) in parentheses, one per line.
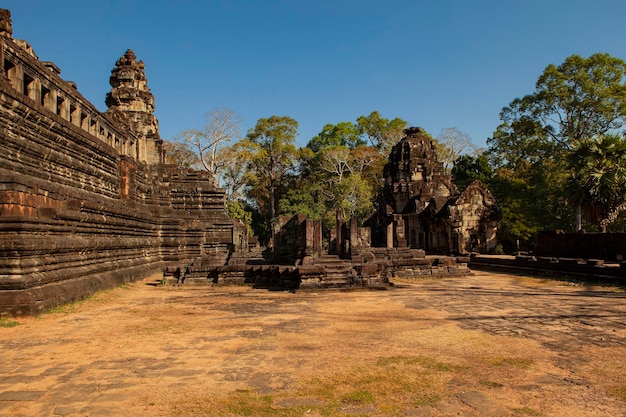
(10, 71)
(29, 86)
(102, 134)
(84, 123)
(8, 66)
(74, 119)
(59, 109)
(110, 139)
(92, 127)
(45, 95)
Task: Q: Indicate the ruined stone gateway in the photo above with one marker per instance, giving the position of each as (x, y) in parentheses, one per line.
(85, 200)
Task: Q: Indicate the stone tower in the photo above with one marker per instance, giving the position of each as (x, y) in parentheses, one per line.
(130, 102)
(414, 173)
(6, 26)
(421, 208)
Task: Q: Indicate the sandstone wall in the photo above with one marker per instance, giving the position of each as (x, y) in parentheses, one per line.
(606, 246)
(64, 229)
(78, 211)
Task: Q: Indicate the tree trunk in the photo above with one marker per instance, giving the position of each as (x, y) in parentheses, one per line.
(579, 219)
(272, 203)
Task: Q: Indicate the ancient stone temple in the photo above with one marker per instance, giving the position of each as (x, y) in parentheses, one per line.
(131, 103)
(85, 202)
(420, 207)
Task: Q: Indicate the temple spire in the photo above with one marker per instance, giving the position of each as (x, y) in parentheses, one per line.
(131, 102)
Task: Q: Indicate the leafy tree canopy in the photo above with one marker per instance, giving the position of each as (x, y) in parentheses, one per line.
(579, 99)
(598, 177)
(469, 168)
(382, 133)
(272, 159)
(345, 134)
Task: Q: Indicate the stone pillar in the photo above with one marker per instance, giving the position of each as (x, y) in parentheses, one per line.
(309, 237)
(64, 109)
(355, 247)
(390, 235)
(338, 234)
(49, 100)
(400, 232)
(317, 237)
(16, 77)
(3, 75)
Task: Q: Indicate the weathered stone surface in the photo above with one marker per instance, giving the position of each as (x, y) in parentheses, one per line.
(131, 103)
(420, 207)
(20, 395)
(85, 202)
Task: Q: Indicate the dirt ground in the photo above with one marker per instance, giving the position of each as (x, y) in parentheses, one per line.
(483, 345)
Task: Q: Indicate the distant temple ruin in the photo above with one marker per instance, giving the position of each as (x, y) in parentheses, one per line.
(85, 200)
(420, 207)
(420, 211)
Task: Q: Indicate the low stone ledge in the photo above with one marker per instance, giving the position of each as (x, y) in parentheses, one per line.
(36, 300)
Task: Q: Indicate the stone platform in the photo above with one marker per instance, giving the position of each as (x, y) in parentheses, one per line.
(373, 268)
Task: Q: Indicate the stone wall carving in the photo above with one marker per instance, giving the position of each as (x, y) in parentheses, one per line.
(85, 202)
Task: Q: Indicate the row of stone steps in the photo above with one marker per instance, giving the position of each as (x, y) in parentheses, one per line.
(326, 271)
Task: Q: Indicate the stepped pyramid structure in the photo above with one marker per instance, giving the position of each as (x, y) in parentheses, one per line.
(86, 202)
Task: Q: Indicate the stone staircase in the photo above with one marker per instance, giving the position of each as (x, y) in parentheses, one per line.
(373, 269)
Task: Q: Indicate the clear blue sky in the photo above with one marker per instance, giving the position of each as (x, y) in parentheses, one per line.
(436, 63)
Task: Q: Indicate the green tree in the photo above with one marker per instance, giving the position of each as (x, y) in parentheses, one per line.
(234, 160)
(272, 159)
(237, 209)
(580, 99)
(337, 171)
(382, 133)
(354, 197)
(342, 134)
(598, 177)
(468, 168)
(305, 197)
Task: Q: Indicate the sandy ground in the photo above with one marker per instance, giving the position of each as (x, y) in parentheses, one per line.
(487, 344)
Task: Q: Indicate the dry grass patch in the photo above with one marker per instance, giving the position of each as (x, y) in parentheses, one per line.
(7, 322)
(388, 386)
(526, 411)
(521, 363)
